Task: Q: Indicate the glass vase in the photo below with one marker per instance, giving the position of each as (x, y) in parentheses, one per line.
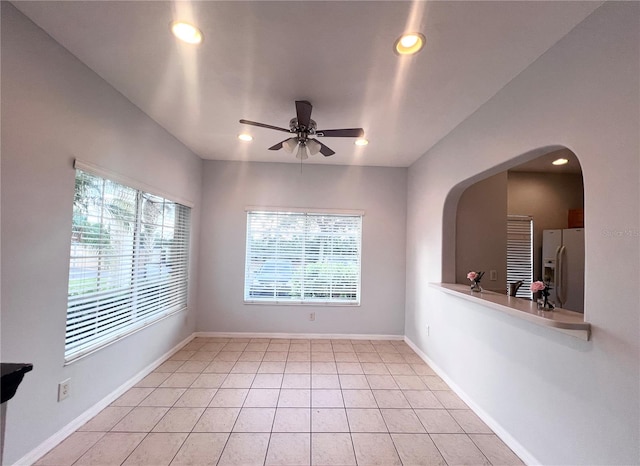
(475, 286)
(544, 304)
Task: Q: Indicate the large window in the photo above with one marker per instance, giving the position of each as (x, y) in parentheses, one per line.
(303, 257)
(129, 262)
(520, 253)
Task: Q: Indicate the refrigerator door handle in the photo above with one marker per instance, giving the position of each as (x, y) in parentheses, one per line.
(556, 271)
(561, 292)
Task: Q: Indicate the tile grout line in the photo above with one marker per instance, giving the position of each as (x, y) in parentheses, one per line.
(172, 406)
(311, 374)
(229, 436)
(310, 408)
(387, 425)
(275, 412)
(244, 400)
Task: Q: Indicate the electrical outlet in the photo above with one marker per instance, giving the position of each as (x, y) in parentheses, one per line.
(312, 316)
(63, 389)
(493, 275)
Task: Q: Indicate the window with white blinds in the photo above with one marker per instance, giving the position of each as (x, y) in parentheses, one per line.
(303, 257)
(128, 263)
(520, 253)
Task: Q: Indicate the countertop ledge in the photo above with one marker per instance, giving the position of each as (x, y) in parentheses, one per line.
(565, 321)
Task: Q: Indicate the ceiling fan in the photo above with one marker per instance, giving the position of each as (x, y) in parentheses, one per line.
(303, 127)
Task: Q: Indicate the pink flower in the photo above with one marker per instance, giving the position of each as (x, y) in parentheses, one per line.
(472, 276)
(537, 286)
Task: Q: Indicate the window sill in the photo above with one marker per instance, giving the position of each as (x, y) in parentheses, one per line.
(301, 303)
(561, 320)
(76, 356)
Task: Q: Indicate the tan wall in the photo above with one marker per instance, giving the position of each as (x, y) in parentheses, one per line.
(547, 198)
(481, 232)
(481, 235)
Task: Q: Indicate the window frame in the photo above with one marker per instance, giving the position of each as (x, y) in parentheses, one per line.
(329, 213)
(516, 242)
(156, 296)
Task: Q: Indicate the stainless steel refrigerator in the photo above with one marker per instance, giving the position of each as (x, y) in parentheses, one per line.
(563, 266)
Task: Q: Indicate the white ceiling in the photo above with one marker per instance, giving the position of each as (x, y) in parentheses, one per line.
(258, 57)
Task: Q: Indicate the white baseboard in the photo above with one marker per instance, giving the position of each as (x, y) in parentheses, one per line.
(78, 422)
(293, 336)
(524, 454)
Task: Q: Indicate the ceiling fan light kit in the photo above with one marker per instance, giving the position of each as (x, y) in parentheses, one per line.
(290, 144)
(303, 127)
(313, 146)
(302, 153)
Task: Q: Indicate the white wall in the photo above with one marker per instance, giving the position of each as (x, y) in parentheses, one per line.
(229, 187)
(55, 109)
(562, 400)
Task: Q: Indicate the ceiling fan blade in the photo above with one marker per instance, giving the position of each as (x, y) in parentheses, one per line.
(303, 112)
(262, 125)
(341, 133)
(276, 146)
(324, 150)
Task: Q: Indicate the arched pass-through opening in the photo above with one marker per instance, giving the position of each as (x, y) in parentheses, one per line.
(527, 187)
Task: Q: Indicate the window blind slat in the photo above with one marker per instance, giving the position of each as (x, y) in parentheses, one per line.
(520, 253)
(303, 257)
(128, 263)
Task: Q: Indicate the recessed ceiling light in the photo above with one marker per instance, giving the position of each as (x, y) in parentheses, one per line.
(245, 137)
(409, 44)
(186, 32)
(361, 142)
(560, 162)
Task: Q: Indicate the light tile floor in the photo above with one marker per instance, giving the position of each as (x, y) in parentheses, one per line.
(233, 401)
